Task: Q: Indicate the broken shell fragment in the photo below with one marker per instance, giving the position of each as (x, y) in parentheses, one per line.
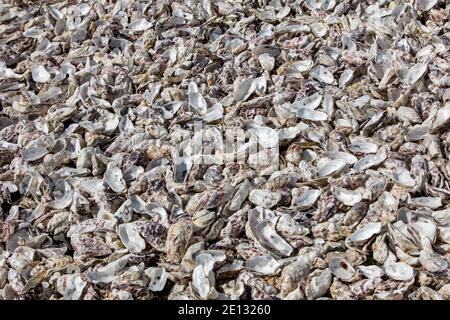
(268, 237)
(178, 237)
(319, 283)
(399, 271)
(347, 197)
(40, 74)
(322, 74)
(131, 238)
(342, 269)
(427, 202)
(330, 167)
(307, 199)
(34, 153)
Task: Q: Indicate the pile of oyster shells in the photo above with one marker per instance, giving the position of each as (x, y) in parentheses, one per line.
(97, 98)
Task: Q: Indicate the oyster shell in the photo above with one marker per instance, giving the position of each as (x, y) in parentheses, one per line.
(347, 197)
(264, 198)
(399, 271)
(158, 278)
(131, 238)
(330, 167)
(40, 74)
(265, 265)
(342, 269)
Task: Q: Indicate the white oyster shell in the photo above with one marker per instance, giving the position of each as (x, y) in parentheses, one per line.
(307, 199)
(347, 157)
(71, 286)
(318, 284)
(347, 197)
(412, 74)
(140, 25)
(432, 261)
(265, 265)
(399, 271)
(342, 269)
(312, 115)
(371, 271)
(114, 179)
(322, 74)
(311, 102)
(365, 233)
(131, 238)
(158, 278)
(330, 167)
(403, 177)
(264, 198)
(40, 74)
(268, 237)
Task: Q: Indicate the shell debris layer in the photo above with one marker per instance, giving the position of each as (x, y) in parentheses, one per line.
(116, 177)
